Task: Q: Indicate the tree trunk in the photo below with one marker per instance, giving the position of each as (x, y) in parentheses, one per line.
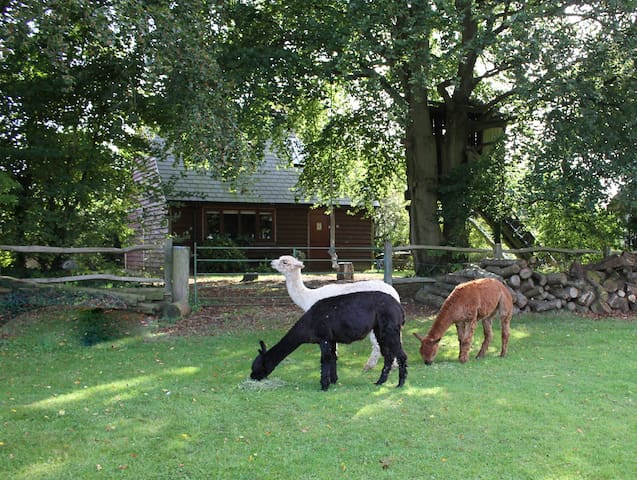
(422, 180)
(455, 207)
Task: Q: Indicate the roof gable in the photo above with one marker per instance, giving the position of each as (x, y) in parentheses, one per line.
(272, 183)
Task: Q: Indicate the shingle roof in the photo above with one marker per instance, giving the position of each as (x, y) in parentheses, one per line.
(273, 183)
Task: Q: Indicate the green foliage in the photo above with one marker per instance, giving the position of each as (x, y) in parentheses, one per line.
(221, 254)
(577, 227)
(391, 221)
(353, 79)
(580, 151)
(364, 72)
(8, 189)
(68, 116)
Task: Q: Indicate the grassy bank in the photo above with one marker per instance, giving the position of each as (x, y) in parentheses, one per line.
(142, 405)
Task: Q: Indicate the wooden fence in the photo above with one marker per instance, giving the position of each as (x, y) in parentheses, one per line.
(177, 261)
(497, 252)
(175, 282)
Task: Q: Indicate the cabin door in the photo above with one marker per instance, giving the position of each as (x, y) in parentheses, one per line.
(318, 255)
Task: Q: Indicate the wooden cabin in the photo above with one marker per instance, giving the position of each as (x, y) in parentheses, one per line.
(264, 214)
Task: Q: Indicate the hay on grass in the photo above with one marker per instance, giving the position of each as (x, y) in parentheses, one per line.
(261, 385)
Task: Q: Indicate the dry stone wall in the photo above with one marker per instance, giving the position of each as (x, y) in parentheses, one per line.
(606, 288)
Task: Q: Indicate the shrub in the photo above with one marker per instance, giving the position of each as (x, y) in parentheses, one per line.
(220, 254)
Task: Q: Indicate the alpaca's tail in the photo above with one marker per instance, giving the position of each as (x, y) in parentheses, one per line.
(505, 305)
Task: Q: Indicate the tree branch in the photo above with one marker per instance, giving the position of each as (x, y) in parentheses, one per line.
(370, 73)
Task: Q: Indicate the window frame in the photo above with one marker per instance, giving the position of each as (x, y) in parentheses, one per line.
(255, 235)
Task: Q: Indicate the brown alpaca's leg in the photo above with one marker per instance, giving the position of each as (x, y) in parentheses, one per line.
(461, 328)
(505, 322)
(465, 336)
(488, 335)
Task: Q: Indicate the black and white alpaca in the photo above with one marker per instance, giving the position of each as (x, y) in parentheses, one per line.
(342, 319)
(306, 297)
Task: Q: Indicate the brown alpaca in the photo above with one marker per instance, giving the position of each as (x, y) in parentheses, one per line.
(468, 304)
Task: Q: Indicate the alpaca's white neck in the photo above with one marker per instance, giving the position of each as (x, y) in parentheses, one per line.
(299, 293)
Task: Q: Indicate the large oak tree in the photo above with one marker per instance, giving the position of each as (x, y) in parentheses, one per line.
(377, 91)
(358, 80)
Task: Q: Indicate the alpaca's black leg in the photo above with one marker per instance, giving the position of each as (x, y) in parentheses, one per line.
(402, 367)
(334, 375)
(326, 364)
(384, 336)
(385, 371)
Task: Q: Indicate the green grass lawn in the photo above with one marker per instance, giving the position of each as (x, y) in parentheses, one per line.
(562, 405)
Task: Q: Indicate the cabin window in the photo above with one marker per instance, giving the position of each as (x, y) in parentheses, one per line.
(231, 223)
(251, 225)
(248, 222)
(266, 225)
(213, 224)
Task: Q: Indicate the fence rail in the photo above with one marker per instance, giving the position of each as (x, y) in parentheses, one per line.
(261, 256)
(548, 257)
(172, 303)
(72, 250)
(86, 250)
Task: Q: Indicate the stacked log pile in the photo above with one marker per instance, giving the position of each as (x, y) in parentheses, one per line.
(608, 287)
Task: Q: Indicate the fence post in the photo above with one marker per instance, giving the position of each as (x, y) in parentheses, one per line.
(168, 270)
(194, 266)
(387, 262)
(497, 251)
(180, 277)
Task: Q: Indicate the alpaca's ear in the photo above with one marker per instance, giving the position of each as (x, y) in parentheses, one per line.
(418, 336)
(262, 350)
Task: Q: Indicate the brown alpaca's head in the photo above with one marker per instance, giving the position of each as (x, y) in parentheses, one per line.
(428, 348)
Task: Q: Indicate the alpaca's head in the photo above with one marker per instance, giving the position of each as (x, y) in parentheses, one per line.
(286, 264)
(259, 369)
(428, 348)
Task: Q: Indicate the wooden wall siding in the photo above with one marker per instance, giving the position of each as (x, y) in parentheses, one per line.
(149, 223)
(291, 230)
(291, 225)
(354, 231)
